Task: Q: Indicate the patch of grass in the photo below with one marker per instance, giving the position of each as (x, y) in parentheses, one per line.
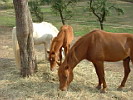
(119, 30)
(7, 18)
(46, 9)
(6, 21)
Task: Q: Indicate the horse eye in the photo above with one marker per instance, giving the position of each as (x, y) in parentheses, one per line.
(53, 53)
(49, 59)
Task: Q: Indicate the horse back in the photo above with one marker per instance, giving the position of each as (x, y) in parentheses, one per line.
(109, 46)
(66, 34)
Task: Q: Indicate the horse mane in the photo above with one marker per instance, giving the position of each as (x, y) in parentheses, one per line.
(74, 55)
(53, 44)
(71, 54)
(77, 44)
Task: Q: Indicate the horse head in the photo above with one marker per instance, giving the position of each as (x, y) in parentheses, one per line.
(65, 74)
(53, 59)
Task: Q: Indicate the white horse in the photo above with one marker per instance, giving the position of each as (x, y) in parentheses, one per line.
(43, 33)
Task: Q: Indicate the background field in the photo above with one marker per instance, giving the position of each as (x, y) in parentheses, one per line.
(44, 84)
(82, 21)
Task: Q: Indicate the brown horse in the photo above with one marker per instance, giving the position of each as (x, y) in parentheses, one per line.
(98, 46)
(63, 40)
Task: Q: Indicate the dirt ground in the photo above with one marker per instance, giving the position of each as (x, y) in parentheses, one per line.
(44, 84)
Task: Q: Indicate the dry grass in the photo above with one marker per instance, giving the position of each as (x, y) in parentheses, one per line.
(44, 84)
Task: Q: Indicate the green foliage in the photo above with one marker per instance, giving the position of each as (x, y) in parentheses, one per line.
(118, 10)
(61, 5)
(7, 19)
(36, 12)
(62, 8)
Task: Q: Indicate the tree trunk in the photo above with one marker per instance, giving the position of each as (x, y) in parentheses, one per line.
(24, 31)
(62, 19)
(101, 25)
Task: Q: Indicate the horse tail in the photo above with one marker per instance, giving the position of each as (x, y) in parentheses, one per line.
(15, 47)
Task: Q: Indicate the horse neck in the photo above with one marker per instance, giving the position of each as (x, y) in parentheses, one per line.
(74, 57)
(56, 46)
(61, 35)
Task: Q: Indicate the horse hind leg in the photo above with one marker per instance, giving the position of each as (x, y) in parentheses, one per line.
(45, 50)
(126, 72)
(60, 56)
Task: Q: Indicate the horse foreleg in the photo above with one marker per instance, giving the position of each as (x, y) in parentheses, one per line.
(126, 72)
(60, 56)
(101, 75)
(45, 48)
(98, 74)
(66, 49)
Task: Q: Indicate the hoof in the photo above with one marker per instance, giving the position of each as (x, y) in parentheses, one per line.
(103, 91)
(120, 88)
(63, 89)
(98, 87)
(52, 69)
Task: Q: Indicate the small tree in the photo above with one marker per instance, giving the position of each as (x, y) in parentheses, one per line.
(101, 9)
(63, 8)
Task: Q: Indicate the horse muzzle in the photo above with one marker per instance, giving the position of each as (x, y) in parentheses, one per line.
(63, 89)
